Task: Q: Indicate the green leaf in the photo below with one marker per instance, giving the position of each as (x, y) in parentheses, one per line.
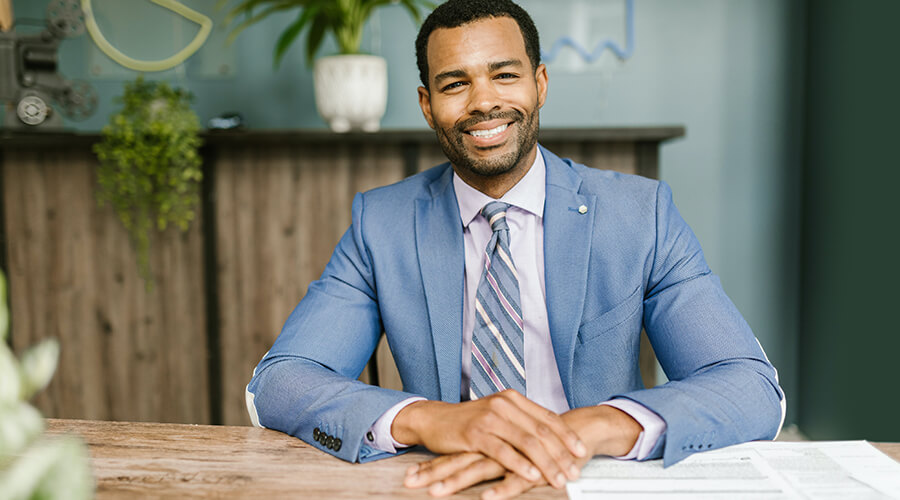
(10, 378)
(313, 41)
(51, 468)
(20, 424)
(290, 33)
(246, 23)
(4, 310)
(38, 364)
(149, 168)
(246, 7)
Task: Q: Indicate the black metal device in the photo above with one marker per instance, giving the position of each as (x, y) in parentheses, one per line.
(29, 77)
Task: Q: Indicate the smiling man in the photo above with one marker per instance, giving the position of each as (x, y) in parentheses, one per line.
(512, 286)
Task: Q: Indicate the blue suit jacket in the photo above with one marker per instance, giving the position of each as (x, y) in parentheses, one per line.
(629, 261)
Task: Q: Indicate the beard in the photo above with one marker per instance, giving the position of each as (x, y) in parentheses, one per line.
(453, 144)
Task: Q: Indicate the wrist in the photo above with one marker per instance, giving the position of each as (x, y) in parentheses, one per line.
(410, 421)
(605, 430)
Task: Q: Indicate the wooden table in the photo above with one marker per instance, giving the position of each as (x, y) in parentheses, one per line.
(140, 460)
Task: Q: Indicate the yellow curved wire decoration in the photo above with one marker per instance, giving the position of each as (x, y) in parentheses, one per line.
(116, 55)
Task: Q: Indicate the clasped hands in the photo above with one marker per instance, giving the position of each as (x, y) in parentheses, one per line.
(505, 435)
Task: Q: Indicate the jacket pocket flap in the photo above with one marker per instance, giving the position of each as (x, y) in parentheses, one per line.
(613, 317)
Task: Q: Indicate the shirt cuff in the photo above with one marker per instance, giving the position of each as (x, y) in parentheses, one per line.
(379, 435)
(654, 427)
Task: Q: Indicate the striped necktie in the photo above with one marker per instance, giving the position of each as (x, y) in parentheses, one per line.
(498, 353)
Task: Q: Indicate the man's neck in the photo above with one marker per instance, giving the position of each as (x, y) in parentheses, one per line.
(496, 186)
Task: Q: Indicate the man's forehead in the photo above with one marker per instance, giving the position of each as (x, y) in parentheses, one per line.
(479, 42)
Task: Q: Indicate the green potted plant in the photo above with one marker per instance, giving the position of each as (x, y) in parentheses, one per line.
(351, 88)
(149, 163)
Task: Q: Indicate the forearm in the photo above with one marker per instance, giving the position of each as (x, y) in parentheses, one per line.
(726, 404)
(298, 396)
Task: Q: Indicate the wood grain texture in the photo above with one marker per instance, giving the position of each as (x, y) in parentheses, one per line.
(141, 460)
(127, 353)
(280, 211)
(144, 460)
(890, 449)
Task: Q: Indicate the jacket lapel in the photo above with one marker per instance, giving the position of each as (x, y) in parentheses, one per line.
(439, 242)
(567, 247)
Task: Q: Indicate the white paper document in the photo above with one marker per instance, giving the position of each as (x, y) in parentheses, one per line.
(761, 470)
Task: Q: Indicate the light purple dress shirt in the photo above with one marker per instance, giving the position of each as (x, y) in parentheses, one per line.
(526, 234)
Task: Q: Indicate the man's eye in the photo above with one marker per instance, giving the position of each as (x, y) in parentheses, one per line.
(507, 75)
(452, 86)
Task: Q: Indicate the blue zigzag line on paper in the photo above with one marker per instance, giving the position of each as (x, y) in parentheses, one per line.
(589, 57)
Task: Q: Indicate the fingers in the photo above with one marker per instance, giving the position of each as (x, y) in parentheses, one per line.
(450, 474)
(554, 422)
(520, 435)
(511, 459)
(536, 433)
(438, 469)
(543, 456)
(511, 486)
(481, 470)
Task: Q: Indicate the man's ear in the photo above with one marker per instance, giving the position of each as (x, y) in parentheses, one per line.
(425, 104)
(540, 77)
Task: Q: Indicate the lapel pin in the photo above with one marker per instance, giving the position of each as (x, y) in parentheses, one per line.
(582, 209)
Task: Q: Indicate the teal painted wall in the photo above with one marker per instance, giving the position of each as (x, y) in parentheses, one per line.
(849, 338)
(731, 71)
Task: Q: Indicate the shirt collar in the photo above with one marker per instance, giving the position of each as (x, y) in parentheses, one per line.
(528, 194)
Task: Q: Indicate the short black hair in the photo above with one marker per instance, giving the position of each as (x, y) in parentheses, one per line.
(455, 13)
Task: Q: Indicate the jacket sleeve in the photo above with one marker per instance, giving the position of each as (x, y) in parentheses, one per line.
(306, 384)
(722, 390)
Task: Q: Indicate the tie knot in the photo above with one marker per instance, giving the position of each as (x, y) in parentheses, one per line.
(495, 213)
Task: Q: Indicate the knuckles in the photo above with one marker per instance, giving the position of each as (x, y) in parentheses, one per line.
(499, 403)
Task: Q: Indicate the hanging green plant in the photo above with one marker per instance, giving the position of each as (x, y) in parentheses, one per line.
(149, 163)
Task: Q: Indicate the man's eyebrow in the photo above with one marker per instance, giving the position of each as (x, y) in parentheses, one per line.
(456, 73)
(494, 66)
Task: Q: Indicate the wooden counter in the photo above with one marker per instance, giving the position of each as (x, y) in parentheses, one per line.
(139, 460)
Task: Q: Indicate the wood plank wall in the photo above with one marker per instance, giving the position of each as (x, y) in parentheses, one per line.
(127, 353)
(276, 208)
(280, 212)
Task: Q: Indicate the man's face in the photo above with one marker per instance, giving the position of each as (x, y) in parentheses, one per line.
(484, 97)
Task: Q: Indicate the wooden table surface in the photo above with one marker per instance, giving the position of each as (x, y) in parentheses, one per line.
(141, 460)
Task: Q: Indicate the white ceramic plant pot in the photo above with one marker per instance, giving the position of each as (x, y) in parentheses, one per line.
(351, 91)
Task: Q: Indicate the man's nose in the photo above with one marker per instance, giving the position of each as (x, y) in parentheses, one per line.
(483, 98)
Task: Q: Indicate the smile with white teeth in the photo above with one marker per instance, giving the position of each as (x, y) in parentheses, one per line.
(486, 134)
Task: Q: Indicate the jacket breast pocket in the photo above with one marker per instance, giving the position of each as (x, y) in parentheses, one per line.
(625, 312)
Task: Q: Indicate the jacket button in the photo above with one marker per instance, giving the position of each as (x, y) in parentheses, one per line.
(329, 443)
(370, 436)
(337, 444)
(316, 433)
(322, 438)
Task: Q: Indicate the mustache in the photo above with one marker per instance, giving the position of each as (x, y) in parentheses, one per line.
(513, 115)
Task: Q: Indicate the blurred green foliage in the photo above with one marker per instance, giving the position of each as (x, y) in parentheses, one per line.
(345, 19)
(150, 167)
(33, 467)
